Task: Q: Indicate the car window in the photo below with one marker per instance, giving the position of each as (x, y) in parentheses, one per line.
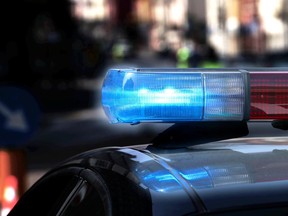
(47, 196)
(86, 201)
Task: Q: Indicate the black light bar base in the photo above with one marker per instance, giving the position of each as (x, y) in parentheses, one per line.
(182, 135)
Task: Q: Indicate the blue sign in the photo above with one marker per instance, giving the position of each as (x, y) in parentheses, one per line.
(19, 116)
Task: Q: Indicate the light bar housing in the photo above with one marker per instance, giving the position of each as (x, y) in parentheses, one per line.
(184, 95)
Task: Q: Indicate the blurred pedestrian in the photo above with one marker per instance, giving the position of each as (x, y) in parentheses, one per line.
(211, 58)
(196, 56)
(183, 56)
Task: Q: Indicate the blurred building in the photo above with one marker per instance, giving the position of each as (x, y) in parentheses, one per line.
(91, 9)
(247, 27)
(274, 19)
(222, 25)
(233, 27)
(160, 25)
(168, 22)
(92, 16)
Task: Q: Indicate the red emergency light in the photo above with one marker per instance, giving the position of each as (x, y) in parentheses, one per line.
(269, 95)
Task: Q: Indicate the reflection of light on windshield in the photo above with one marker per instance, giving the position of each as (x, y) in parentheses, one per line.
(199, 178)
(161, 181)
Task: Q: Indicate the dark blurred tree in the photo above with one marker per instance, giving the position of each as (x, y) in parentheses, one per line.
(12, 46)
(30, 53)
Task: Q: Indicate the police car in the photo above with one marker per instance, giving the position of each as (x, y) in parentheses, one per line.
(225, 153)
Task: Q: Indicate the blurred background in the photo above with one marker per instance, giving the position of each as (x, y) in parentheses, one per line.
(57, 51)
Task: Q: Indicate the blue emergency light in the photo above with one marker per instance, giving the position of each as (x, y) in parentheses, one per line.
(174, 95)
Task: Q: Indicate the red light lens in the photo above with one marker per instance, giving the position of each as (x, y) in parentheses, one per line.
(269, 95)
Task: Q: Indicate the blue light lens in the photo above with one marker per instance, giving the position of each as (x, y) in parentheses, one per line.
(137, 97)
(134, 96)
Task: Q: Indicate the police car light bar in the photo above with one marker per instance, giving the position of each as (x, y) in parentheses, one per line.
(183, 95)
